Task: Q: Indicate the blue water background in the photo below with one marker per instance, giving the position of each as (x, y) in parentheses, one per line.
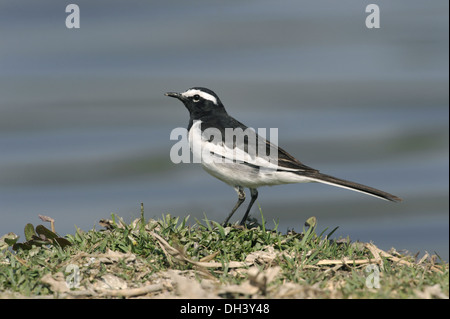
(84, 124)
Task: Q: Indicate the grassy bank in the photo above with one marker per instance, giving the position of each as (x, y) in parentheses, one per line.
(168, 259)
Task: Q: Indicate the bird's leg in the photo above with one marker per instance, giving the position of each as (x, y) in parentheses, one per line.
(241, 199)
(254, 193)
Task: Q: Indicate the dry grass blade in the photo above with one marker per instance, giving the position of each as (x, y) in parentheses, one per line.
(375, 251)
(209, 257)
(131, 292)
(403, 262)
(48, 219)
(344, 261)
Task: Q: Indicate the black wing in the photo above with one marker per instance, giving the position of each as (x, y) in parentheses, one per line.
(270, 151)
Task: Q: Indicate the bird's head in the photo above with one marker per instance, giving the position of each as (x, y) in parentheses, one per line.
(199, 101)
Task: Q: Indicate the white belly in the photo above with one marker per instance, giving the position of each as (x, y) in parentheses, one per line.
(238, 174)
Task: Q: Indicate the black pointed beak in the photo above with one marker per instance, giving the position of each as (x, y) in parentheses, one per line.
(175, 95)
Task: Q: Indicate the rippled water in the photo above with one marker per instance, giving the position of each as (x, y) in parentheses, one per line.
(84, 124)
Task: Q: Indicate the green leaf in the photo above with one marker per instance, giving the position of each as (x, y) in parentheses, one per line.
(24, 246)
(8, 240)
(62, 242)
(41, 230)
(208, 224)
(37, 242)
(311, 221)
(332, 232)
(11, 242)
(263, 222)
(307, 236)
(220, 229)
(29, 231)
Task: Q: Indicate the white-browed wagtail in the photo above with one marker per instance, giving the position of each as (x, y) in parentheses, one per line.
(249, 160)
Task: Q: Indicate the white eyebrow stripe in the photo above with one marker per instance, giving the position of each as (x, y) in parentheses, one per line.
(204, 95)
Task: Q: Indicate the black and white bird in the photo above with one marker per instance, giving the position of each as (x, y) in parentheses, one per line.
(242, 163)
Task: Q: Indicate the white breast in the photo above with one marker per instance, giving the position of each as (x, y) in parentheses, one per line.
(195, 141)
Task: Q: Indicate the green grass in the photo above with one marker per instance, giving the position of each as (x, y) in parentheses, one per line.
(216, 261)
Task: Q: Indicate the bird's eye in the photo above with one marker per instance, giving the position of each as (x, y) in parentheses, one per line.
(196, 98)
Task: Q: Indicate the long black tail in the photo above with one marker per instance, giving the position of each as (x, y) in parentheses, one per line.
(327, 179)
